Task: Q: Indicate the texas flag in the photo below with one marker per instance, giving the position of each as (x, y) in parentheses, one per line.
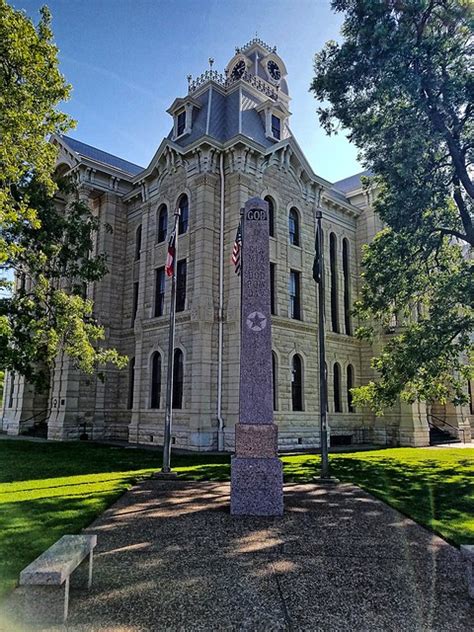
(169, 266)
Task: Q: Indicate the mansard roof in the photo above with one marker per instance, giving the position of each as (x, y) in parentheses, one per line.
(352, 183)
(101, 156)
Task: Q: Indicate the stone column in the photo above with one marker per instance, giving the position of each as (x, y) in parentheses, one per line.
(257, 474)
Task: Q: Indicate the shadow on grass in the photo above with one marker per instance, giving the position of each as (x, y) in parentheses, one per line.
(437, 494)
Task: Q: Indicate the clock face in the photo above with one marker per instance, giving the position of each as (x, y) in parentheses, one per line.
(273, 70)
(238, 70)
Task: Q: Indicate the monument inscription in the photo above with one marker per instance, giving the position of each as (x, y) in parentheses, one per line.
(257, 479)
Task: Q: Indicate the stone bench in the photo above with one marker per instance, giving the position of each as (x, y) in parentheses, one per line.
(45, 581)
(467, 551)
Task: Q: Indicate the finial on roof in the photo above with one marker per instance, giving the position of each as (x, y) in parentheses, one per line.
(189, 78)
(211, 61)
(237, 50)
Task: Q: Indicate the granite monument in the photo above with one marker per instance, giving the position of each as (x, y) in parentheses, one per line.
(256, 472)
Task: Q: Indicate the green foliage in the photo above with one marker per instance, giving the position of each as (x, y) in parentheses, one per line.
(46, 234)
(401, 82)
(31, 87)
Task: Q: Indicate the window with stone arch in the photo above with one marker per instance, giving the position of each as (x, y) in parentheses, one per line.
(337, 388)
(350, 384)
(12, 389)
(131, 382)
(296, 383)
(333, 271)
(271, 215)
(178, 379)
(183, 205)
(162, 227)
(275, 380)
(155, 395)
(294, 227)
(347, 287)
(138, 242)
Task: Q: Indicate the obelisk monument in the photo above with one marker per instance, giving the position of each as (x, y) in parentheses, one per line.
(257, 473)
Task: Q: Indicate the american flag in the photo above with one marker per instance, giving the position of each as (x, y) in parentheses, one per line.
(236, 251)
(169, 266)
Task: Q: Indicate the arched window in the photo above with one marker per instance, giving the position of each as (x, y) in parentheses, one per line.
(297, 383)
(337, 388)
(274, 378)
(131, 382)
(155, 380)
(183, 205)
(138, 242)
(162, 224)
(333, 266)
(178, 374)
(294, 227)
(347, 300)
(271, 216)
(350, 384)
(12, 389)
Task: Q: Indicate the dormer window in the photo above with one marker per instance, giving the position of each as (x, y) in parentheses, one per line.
(183, 113)
(181, 123)
(275, 116)
(276, 127)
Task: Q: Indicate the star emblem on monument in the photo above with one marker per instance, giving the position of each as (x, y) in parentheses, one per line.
(256, 321)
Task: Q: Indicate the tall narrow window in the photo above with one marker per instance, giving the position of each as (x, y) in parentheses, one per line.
(131, 382)
(337, 388)
(271, 216)
(181, 286)
(12, 389)
(183, 205)
(276, 127)
(134, 302)
(155, 380)
(347, 300)
(162, 224)
(159, 291)
(178, 374)
(272, 288)
(181, 123)
(333, 266)
(294, 292)
(138, 242)
(294, 227)
(350, 384)
(296, 383)
(274, 381)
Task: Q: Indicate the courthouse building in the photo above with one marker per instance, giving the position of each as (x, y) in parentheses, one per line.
(230, 140)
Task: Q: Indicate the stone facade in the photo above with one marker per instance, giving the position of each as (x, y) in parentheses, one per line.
(230, 141)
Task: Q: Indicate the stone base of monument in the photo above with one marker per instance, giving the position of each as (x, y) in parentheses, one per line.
(257, 487)
(256, 472)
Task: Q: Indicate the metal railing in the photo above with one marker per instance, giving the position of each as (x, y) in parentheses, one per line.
(226, 82)
(457, 430)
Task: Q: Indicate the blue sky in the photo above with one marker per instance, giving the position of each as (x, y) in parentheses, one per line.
(127, 60)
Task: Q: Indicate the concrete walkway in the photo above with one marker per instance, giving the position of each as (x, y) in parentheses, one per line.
(170, 557)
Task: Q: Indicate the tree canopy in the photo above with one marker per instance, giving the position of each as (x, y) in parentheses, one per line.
(401, 82)
(47, 245)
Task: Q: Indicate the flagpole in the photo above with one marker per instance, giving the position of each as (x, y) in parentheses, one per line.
(322, 353)
(166, 468)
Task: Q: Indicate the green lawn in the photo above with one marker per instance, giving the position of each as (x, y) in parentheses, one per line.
(48, 489)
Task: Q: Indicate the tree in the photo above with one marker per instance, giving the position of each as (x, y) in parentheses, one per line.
(401, 83)
(46, 246)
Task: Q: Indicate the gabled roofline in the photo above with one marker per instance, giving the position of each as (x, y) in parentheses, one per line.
(92, 162)
(240, 138)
